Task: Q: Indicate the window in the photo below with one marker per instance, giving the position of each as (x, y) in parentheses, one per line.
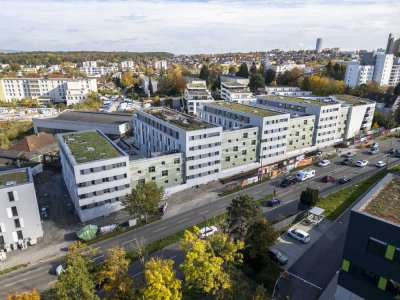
(244, 152)
(376, 247)
(253, 142)
(11, 197)
(153, 178)
(236, 148)
(164, 173)
(17, 223)
(228, 158)
(163, 162)
(177, 161)
(20, 235)
(14, 211)
(152, 169)
(141, 181)
(1, 240)
(245, 135)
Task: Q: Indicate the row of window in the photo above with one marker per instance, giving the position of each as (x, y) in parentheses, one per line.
(202, 174)
(210, 163)
(275, 130)
(328, 118)
(205, 146)
(101, 180)
(105, 191)
(330, 110)
(276, 138)
(103, 168)
(276, 121)
(274, 146)
(101, 203)
(201, 156)
(274, 154)
(326, 132)
(203, 136)
(228, 158)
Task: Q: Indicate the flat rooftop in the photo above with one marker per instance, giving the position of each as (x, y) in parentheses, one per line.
(198, 92)
(89, 146)
(196, 86)
(178, 119)
(353, 100)
(93, 117)
(233, 84)
(298, 100)
(386, 203)
(13, 177)
(253, 110)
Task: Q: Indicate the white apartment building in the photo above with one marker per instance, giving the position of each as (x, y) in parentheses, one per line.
(395, 72)
(90, 64)
(129, 64)
(146, 81)
(286, 91)
(160, 64)
(99, 71)
(95, 171)
(357, 74)
(196, 94)
(236, 92)
(273, 125)
(19, 211)
(160, 130)
(54, 89)
(383, 68)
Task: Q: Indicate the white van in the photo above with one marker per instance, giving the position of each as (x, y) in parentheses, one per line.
(305, 174)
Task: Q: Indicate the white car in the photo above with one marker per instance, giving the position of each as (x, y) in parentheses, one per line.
(361, 163)
(207, 231)
(380, 164)
(299, 235)
(324, 163)
(60, 269)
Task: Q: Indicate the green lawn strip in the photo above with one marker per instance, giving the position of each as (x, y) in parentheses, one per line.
(8, 270)
(336, 203)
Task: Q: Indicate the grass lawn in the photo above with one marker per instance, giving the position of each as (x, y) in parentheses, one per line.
(336, 203)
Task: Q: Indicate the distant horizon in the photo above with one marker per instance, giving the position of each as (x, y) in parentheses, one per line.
(191, 27)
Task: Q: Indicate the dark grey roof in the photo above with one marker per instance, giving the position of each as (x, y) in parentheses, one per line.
(94, 117)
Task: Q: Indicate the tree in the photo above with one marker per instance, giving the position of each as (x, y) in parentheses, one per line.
(396, 90)
(270, 76)
(151, 90)
(160, 280)
(243, 71)
(309, 197)
(28, 295)
(4, 142)
(205, 74)
(76, 283)
(260, 293)
(375, 125)
(216, 84)
(113, 275)
(126, 79)
(289, 77)
(262, 236)
(144, 199)
(253, 68)
(202, 269)
(233, 70)
(243, 212)
(256, 82)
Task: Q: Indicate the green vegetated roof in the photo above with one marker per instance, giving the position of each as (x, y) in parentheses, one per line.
(299, 100)
(19, 176)
(180, 120)
(89, 146)
(353, 100)
(386, 204)
(247, 109)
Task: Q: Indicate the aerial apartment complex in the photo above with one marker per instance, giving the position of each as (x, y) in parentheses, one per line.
(54, 90)
(371, 255)
(19, 211)
(195, 94)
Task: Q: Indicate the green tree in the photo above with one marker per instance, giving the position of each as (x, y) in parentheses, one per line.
(270, 76)
(216, 84)
(256, 82)
(253, 68)
(113, 275)
(160, 280)
(144, 199)
(76, 282)
(233, 70)
(309, 197)
(126, 79)
(243, 212)
(243, 71)
(262, 236)
(260, 293)
(4, 142)
(289, 77)
(205, 74)
(396, 90)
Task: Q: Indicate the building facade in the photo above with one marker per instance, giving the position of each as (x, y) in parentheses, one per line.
(236, 92)
(286, 91)
(393, 45)
(96, 173)
(19, 212)
(196, 94)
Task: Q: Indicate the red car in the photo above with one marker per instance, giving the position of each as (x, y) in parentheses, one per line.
(328, 178)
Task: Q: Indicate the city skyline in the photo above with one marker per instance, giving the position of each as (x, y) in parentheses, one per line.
(192, 27)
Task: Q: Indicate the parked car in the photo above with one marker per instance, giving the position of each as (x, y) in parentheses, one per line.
(380, 164)
(60, 269)
(162, 209)
(328, 178)
(299, 235)
(373, 151)
(277, 256)
(347, 162)
(288, 181)
(305, 174)
(349, 154)
(344, 179)
(324, 163)
(361, 163)
(374, 145)
(44, 211)
(273, 202)
(207, 231)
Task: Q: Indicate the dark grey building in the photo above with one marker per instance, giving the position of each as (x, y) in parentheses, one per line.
(371, 255)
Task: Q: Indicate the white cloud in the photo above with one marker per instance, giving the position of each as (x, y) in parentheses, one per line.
(195, 26)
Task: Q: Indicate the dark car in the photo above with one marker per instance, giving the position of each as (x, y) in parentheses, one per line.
(328, 178)
(277, 256)
(344, 179)
(273, 202)
(288, 181)
(347, 162)
(162, 209)
(349, 154)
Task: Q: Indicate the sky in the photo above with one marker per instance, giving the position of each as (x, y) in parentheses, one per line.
(194, 27)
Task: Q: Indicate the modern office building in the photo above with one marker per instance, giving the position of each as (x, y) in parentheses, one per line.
(393, 45)
(301, 132)
(96, 173)
(286, 91)
(19, 211)
(113, 125)
(318, 46)
(371, 255)
(236, 92)
(272, 125)
(67, 90)
(196, 94)
(162, 130)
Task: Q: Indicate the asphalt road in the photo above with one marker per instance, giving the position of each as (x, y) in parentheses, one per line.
(42, 275)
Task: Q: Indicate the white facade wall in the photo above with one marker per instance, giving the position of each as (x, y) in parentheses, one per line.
(160, 64)
(21, 206)
(236, 93)
(359, 118)
(129, 64)
(395, 73)
(90, 64)
(98, 71)
(383, 68)
(357, 74)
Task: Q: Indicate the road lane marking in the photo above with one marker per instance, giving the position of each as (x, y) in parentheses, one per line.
(172, 257)
(128, 241)
(98, 257)
(204, 212)
(18, 281)
(133, 276)
(182, 220)
(224, 204)
(159, 229)
(255, 193)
